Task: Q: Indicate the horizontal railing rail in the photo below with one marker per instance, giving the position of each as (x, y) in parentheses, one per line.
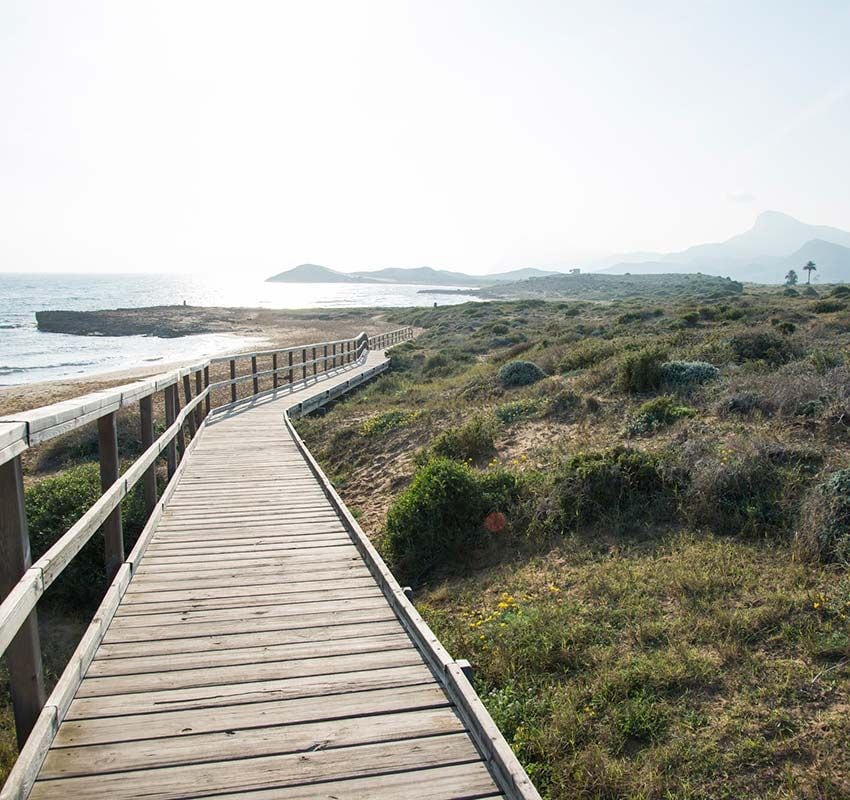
(23, 583)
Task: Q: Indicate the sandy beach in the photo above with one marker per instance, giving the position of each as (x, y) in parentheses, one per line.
(268, 328)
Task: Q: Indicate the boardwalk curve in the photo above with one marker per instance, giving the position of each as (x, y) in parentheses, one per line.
(254, 644)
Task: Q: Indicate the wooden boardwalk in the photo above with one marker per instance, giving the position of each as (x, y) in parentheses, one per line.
(261, 648)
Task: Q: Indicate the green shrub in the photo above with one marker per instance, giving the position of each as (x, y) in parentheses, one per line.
(640, 372)
(53, 505)
(619, 484)
(825, 360)
(520, 373)
(828, 306)
(565, 405)
(790, 291)
(688, 373)
(737, 495)
(587, 353)
(746, 403)
(657, 413)
(472, 441)
(517, 410)
(761, 345)
(826, 519)
(438, 521)
(840, 291)
(810, 291)
(690, 319)
(385, 422)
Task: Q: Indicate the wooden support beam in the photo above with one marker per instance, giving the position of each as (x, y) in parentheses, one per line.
(334, 353)
(291, 376)
(233, 377)
(187, 393)
(254, 373)
(199, 387)
(325, 362)
(107, 445)
(314, 362)
(274, 374)
(23, 656)
(208, 399)
(304, 365)
(181, 439)
(147, 431)
(171, 447)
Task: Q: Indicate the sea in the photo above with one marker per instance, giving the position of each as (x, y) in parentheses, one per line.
(28, 355)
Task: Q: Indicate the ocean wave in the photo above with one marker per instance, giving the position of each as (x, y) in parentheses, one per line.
(5, 370)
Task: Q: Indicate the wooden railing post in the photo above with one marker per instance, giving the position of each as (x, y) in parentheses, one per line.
(291, 375)
(304, 364)
(149, 481)
(181, 439)
(187, 392)
(274, 370)
(23, 656)
(171, 447)
(254, 373)
(333, 346)
(314, 362)
(107, 444)
(325, 361)
(233, 378)
(208, 399)
(199, 387)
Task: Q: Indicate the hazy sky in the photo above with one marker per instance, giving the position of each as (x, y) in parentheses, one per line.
(253, 136)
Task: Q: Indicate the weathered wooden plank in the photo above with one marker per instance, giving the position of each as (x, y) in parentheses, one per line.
(143, 664)
(262, 772)
(249, 692)
(119, 633)
(329, 590)
(469, 781)
(251, 743)
(164, 621)
(157, 606)
(191, 722)
(233, 641)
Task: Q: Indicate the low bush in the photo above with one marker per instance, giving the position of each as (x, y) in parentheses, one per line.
(840, 291)
(761, 345)
(520, 373)
(517, 410)
(737, 494)
(587, 353)
(640, 372)
(565, 405)
(810, 291)
(439, 520)
(385, 422)
(688, 373)
(825, 360)
(828, 306)
(790, 291)
(53, 505)
(471, 441)
(825, 531)
(746, 403)
(619, 485)
(657, 413)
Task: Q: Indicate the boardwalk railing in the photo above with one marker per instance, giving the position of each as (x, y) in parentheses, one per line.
(23, 583)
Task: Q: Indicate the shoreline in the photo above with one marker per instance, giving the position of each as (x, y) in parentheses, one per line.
(268, 329)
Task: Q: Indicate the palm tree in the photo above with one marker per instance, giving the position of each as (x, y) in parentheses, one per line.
(791, 278)
(810, 268)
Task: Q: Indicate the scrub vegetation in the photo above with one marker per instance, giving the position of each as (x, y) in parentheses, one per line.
(641, 544)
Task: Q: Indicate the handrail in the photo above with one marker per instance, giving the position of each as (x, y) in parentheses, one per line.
(22, 583)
